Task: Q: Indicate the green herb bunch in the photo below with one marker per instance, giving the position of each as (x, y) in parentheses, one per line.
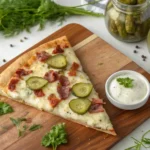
(145, 142)
(126, 82)
(19, 15)
(55, 137)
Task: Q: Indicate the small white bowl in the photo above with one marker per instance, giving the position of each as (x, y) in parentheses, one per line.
(122, 105)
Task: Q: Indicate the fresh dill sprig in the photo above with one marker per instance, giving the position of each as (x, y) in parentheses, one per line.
(19, 15)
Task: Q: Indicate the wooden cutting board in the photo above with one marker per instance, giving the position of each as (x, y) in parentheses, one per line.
(99, 61)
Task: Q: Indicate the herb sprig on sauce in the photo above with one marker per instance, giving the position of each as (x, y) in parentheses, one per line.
(126, 82)
(144, 142)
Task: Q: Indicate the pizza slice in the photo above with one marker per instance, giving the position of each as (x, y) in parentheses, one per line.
(51, 78)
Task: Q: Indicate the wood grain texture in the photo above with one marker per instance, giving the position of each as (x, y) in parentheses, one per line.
(99, 60)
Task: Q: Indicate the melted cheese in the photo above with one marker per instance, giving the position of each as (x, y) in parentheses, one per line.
(98, 120)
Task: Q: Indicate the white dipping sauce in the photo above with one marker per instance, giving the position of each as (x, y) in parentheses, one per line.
(128, 95)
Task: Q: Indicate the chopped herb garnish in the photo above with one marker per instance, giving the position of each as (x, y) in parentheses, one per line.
(22, 132)
(5, 108)
(35, 127)
(144, 142)
(126, 82)
(22, 129)
(55, 137)
(17, 122)
(19, 15)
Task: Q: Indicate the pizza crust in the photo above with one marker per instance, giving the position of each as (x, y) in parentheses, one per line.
(27, 59)
(102, 130)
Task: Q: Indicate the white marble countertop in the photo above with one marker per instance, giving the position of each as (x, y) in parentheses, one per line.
(97, 26)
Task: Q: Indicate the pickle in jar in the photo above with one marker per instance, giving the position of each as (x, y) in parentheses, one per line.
(142, 29)
(112, 26)
(138, 32)
(129, 24)
(137, 18)
(121, 26)
(145, 27)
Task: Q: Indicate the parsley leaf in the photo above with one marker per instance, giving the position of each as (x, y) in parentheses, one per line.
(19, 15)
(126, 82)
(145, 142)
(35, 127)
(55, 137)
(5, 108)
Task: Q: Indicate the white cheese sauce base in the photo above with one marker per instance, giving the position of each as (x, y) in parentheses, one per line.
(128, 95)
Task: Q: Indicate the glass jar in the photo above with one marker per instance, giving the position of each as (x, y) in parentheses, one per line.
(148, 41)
(129, 23)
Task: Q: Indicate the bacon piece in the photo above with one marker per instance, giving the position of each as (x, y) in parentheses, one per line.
(73, 69)
(39, 93)
(95, 108)
(12, 84)
(51, 76)
(97, 101)
(42, 56)
(22, 72)
(63, 91)
(53, 100)
(64, 80)
(57, 50)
